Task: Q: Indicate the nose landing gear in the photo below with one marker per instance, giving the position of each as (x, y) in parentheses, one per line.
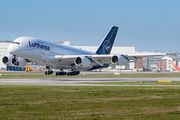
(48, 72)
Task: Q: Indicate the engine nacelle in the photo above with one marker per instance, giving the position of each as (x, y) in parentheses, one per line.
(82, 62)
(7, 60)
(119, 60)
(20, 62)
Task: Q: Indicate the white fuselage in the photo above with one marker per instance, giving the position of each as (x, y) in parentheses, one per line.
(37, 50)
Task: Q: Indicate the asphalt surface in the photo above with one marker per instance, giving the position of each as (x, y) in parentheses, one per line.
(78, 81)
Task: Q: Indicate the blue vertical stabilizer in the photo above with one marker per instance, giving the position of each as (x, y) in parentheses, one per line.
(106, 45)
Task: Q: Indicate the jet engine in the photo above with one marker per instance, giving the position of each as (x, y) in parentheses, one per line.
(82, 62)
(119, 60)
(7, 59)
(20, 62)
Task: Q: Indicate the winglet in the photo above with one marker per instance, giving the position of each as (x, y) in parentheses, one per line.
(175, 54)
(107, 43)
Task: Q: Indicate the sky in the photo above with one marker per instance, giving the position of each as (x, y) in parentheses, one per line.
(148, 25)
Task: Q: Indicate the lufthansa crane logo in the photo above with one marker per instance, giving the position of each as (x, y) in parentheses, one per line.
(106, 47)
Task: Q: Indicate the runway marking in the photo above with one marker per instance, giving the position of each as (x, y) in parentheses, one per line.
(164, 81)
(167, 81)
(161, 81)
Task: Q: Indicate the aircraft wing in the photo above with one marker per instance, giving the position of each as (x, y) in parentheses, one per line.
(72, 59)
(174, 66)
(101, 59)
(90, 60)
(135, 56)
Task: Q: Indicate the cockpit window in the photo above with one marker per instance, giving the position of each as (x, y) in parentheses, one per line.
(16, 43)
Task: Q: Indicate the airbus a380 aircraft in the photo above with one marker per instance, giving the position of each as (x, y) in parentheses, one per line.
(52, 55)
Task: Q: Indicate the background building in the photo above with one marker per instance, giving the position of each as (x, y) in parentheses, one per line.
(139, 65)
(150, 63)
(164, 64)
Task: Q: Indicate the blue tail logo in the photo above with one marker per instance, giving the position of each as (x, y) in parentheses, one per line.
(106, 45)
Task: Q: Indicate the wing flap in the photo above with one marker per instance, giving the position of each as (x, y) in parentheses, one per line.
(101, 59)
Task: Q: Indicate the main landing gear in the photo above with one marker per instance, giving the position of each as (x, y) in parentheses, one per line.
(49, 72)
(67, 73)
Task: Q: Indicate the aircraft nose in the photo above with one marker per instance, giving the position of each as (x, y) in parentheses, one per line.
(13, 49)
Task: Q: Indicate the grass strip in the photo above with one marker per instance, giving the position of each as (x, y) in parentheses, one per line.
(89, 102)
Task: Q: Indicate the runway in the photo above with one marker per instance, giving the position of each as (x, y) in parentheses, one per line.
(79, 81)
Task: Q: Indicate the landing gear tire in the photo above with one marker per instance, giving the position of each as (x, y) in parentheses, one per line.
(57, 74)
(46, 73)
(64, 73)
(49, 72)
(60, 73)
